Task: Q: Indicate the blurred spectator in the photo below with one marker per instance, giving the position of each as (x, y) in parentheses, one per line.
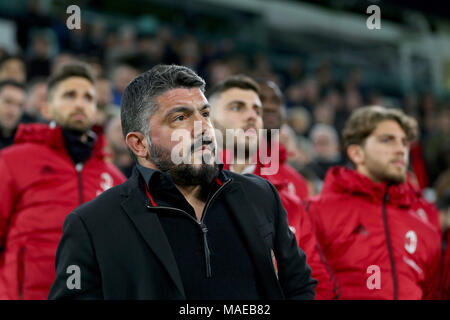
(218, 71)
(12, 98)
(325, 142)
(274, 116)
(48, 172)
(13, 67)
(105, 109)
(353, 100)
(299, 119)
(295, 94)
(121, 76)
(324, 75)
(3, 53)
(188, 52)
(60, 60)
(122, 44)
(118, 148)
(437, 144)
(295, 71)
(299, 151)
(32, 18)
(311, 93)
(35, 101)
(324, 113)
(41, 51)
(95, 66)
(96, 38)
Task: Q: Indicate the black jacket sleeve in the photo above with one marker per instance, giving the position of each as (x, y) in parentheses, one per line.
(77, 272)
(294, 274)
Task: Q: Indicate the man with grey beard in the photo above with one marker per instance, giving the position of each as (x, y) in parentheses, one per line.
(181, 227)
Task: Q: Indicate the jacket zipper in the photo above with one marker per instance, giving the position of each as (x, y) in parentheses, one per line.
(202, 226)
(388, 239)
(21, 271)
(79, 168)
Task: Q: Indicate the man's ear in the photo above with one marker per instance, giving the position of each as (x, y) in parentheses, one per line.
(137, 142)
(356, 154)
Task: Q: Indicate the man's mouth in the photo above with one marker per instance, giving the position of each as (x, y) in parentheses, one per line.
(79, 116)
(250, 130)
(399, 163)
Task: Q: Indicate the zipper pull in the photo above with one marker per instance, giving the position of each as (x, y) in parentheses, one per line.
(79, 167)
(207, 252)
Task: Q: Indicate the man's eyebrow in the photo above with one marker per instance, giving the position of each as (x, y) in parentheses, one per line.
(206, 106)
(185, 109)
(178, 109)
(235, 101)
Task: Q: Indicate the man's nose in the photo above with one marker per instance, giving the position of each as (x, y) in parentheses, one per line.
(201, 125)
(80, 102)
(251, 114)
(401, 148)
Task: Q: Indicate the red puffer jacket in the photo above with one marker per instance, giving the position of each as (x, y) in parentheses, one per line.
(39, 186)
(446, 271)
(300, 224)
(381, 241)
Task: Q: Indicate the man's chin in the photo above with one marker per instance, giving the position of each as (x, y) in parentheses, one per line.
(395, 178)
(190, 174)
(78, 126)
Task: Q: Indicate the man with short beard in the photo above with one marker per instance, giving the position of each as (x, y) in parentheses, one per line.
(49, 171)
(181, 227)
(12, 97)
(237, 107)
(380, 237)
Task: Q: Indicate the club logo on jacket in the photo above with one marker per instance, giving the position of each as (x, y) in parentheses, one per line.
(422, 214)
(411, 241)
(105, 183)
(291, 188)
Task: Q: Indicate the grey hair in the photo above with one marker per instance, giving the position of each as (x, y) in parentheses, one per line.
(139, 98)
(320, 128)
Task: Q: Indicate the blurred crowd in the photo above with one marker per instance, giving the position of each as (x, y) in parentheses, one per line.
(317, 103)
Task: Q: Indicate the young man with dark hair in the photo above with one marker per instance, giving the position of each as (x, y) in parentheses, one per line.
(236, 106)
(380, 237)
(50, 170)
(12, 98)
(13, 67)
(179, 230)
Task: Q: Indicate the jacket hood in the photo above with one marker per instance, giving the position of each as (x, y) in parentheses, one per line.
(342, 180)
(51, 135)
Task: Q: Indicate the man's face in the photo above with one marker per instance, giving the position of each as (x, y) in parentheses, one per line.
(325, 146)
(236, 108)
(11, 107)
(182, 128)
(13, 69)
(37, 99)
(272, 104)
(73, 104)
(385, 153)
(104, 93)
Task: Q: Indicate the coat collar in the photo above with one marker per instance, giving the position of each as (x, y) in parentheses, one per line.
(136, 205)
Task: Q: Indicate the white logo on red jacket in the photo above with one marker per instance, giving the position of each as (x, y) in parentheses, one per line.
(106, 182)
(291, 188)
(411, 241)
(422, 214)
